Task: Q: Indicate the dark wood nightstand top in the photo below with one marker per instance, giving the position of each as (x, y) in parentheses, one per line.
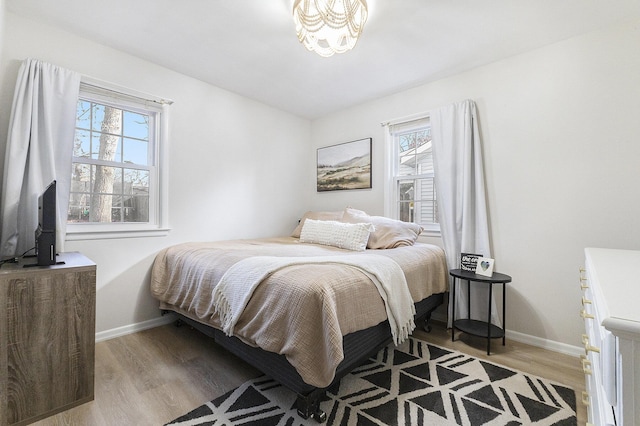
(497, 277)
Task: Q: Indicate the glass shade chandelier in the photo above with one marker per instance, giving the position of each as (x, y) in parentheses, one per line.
(329, 26)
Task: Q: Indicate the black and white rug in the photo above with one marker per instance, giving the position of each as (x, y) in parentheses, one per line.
(416, 383)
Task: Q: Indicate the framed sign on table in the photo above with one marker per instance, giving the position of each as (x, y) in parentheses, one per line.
(469, 261)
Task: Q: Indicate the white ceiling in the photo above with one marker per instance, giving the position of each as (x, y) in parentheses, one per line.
(250, 46)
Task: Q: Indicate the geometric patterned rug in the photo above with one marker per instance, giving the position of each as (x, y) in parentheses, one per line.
(416, 383)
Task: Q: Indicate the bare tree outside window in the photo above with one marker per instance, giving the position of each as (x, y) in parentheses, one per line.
(102, 200)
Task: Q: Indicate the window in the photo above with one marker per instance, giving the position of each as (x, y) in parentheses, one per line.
(411, 193)
(115, 177)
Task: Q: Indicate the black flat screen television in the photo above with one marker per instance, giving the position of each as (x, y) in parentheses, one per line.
(46, 230)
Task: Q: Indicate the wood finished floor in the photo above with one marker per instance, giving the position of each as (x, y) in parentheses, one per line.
(154, 376)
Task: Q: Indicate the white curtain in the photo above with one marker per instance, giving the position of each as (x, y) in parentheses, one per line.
(462, 207)
(39, 150)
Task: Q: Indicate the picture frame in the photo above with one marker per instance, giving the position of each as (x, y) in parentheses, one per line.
(484, 266)
(468, 261)
(344, 166)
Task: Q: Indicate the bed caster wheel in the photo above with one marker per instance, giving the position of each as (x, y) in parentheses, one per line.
(319, 416)
(425, 326)
(309, 408)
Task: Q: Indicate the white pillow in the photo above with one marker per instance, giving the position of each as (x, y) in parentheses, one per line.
(388, 233)
(328, 215)
(350, 236)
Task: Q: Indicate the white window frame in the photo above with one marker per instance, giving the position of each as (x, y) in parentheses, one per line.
(131, 100)
(393, 127)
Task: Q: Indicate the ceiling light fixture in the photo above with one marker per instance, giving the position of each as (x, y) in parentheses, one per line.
(329, 26)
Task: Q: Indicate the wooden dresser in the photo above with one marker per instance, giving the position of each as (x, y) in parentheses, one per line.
(47, 338)
(611, 311)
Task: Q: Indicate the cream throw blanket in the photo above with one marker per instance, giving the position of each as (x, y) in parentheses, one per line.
(236, 286)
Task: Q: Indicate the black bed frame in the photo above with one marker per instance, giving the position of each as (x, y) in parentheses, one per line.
(357, 346)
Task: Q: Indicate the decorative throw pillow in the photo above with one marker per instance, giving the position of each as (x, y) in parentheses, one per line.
(328, 215)
(350, 236)
(389, 233)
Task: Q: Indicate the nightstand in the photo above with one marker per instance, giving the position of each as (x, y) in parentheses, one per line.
(478, 327)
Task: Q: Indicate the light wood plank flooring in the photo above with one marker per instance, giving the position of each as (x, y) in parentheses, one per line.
(154, 376)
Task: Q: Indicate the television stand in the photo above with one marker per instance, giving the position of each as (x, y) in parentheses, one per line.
(47, 338)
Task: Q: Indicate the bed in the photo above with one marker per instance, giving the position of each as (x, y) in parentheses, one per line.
(313, 314)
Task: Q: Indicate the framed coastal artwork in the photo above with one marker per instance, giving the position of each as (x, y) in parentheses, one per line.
(345, 166)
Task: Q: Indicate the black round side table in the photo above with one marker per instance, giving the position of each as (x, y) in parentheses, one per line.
(477, 327)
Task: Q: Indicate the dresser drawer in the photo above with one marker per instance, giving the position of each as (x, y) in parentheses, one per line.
(599, 371)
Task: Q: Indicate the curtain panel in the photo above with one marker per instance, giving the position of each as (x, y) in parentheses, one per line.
(462, 207)
(39, 150)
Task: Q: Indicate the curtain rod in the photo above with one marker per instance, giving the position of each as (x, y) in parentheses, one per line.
(407, 119)
(102, 86)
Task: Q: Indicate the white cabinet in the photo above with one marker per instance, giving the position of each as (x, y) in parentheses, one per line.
(611, 311)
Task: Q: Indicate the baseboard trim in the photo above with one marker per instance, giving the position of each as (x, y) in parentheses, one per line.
(545, 343)
(437, 316)
(528, 339)
(134, 328)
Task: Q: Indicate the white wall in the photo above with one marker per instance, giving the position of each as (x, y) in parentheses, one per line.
(2, 9)
(560, 128)
(234, 164)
